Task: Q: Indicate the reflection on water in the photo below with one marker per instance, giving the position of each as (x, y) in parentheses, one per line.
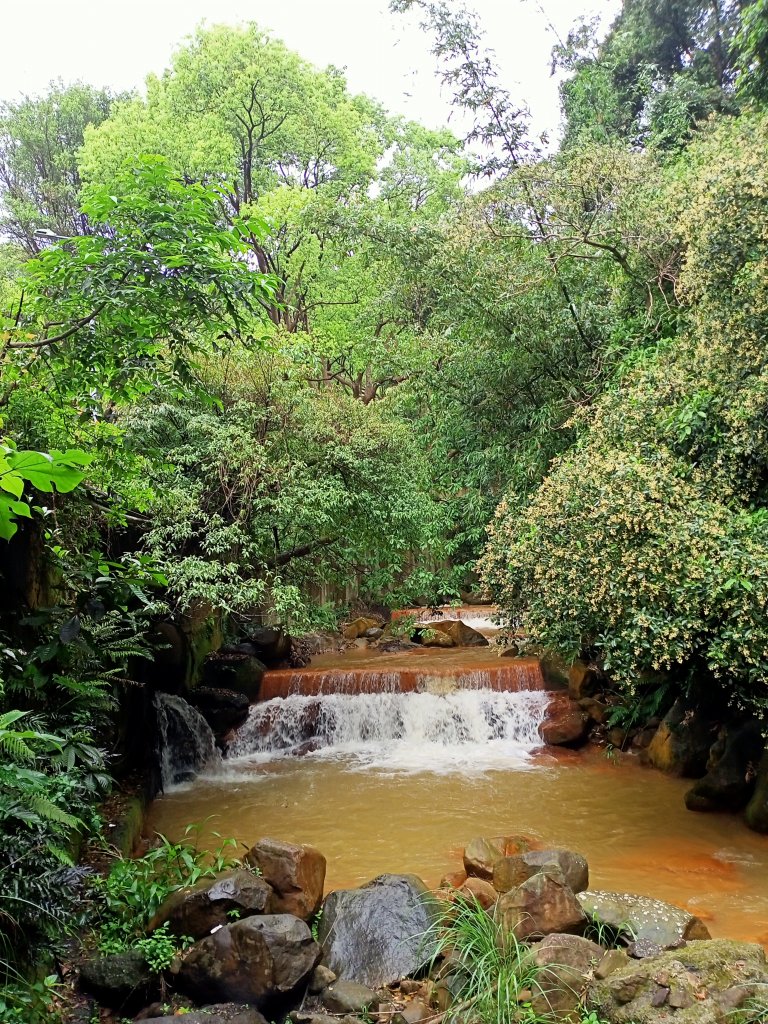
(629, 822)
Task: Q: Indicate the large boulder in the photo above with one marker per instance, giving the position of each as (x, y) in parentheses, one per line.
(461, 634)
(121, 981)
(222, 709)
(261, 960)
(584, 680)
(295, 873)
(565, 723)
(197, 909)
(703, 983)
(541, 905)
(359, 627)
(235, 671)
(482, 854)
(379, 933)
(428, 636)
(564, 963)
(730, 777)
(757, 808)
(682, 741)
(271, 644)
(510, 872)
(640, 917)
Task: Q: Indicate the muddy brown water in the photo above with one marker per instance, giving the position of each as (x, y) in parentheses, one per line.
(371, 816)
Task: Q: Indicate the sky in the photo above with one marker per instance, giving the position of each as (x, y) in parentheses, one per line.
(117, 43)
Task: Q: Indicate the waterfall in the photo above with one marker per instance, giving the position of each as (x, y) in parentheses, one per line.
(187, 745)
(467, 729)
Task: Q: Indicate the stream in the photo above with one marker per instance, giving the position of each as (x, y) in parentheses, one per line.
(393, 762)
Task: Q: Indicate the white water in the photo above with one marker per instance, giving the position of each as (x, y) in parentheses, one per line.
(483, 622)
(467, 730)
(187, 745)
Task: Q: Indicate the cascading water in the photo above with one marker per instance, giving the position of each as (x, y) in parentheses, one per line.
(187, 745)
(466, 729)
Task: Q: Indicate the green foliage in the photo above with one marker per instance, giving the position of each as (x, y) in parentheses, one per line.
(161, 948)
(43, 470)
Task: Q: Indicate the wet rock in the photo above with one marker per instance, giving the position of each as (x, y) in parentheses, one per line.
(584, 680)
(295, 873)
(216, 1013)
(729, 781)
(682, 741)
(691, 985)
(358, 627)
(542, 905)
(564, 962)
(480, 891)
(481, 856)
(375, 934)
(431, 637)
(222, 709)
(261, 960)
(757, 808)
(596, 711)
(374, 633)
(554, 670)
(321, 978)
(121, 981)
(197, 909)
(642, 918)
(513, 871)
(565, 723)
(348, 997)
(271, 644)
(239, 672)
(453, 880)
(461, 634)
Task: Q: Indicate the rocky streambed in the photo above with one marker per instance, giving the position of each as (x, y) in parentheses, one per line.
(268, 946)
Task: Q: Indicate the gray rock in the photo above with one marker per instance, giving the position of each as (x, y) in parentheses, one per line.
(564, 963)
(348, 997)
(644, 948)
(260, 960)
(122, 981)
(640, 917)
(377, 934)
(321, 978)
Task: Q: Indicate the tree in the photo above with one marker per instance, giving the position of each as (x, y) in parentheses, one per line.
(39, 174)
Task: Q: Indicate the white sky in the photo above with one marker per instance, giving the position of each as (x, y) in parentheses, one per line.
(117, 42)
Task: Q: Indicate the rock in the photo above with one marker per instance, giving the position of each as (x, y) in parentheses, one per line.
(564, 962)
(481, 856)
(271, 644)
(640, 917)
(197, 909)
(296, 874)
(729, 781)
(414, 1012)
(694, 985)
(613, 960)
(453, 880)
(222, 709)
(260, 960)
(321, 978)
(583, 680)
(757, 808)
(358, 627)
(682, 741)
(461, 634)
(348, 997)
(513, 871)
(481, 891)
(375, 934)
(430, 637)
(241, 673)
(374, 633)
(122, 981)
(565, 723)
(644, 948)
(541, 905)
(216, 1013)
(595, 710)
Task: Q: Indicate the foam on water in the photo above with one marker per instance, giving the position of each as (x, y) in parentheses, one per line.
(467, 730)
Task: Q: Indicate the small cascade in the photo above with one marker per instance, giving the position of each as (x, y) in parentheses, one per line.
(468, 729)
(187, 745)
(510, 675)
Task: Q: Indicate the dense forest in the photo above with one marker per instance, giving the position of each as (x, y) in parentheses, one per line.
(267, 349)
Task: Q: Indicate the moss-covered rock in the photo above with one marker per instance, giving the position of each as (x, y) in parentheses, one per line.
(703, 983)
